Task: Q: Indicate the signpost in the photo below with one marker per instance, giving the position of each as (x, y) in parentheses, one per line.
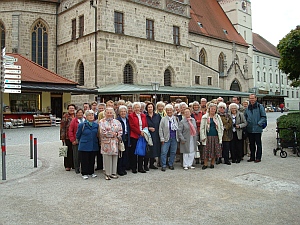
(10, 83)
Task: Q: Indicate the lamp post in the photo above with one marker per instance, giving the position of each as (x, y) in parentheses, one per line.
(155, 88)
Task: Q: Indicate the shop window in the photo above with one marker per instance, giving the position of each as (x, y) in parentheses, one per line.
(73, 29)
(39, 44)
(150, 29)
(197, 79)
(176, 38)
(24, 102)
(128, 74)
(221, 64)
(2, 35)
(119, 23)
(81, 26)
(167, 78)
(202, 57)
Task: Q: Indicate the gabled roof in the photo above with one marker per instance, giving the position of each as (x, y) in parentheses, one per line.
(262, 45)
(32, 72)
(214, 21)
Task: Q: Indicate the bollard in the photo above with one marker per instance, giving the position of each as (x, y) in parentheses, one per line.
(31, 146)
(35, 153)
(3, 147)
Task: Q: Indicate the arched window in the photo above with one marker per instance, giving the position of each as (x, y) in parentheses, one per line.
(128, 74)
(202, 57)
(2, 35)
(80, 73)
(167, 78)
(235, 86)
(221, 64)
(39, 44)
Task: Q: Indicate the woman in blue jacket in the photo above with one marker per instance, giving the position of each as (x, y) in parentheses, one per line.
(88, 144)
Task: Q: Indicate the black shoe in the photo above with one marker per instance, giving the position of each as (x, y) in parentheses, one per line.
(158, 164)
(142, 171)
(204, 167)
(163, 169)
(121, 173)
(77, 171)
(171, 167)
(228, 163)
(125, 173)
(153, 167)
(238, 161)
(134, 171)
(146, 168)
(233, 161)
(250, 160)
(212, 166)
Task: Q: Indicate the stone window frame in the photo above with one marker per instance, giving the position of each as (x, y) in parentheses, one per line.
(150, 29)
(2, 35)
(235, 85)
(176, 35)
(79, 73)
(258, 75)
(81, 26)
(209, 80)
(73, 33)
(128, 73)
(198, 79)
(276, 78)
(39, 43)
(221, 60)
(271, 77)
(119, 22)
(168, 77)
(203, 57)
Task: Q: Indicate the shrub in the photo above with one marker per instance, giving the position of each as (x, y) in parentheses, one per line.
(285, 121)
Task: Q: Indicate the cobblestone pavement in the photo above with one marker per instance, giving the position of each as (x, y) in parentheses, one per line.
(245, 193)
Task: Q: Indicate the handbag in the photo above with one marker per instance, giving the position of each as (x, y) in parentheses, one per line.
(121, 146)
(140, 149)
(197, 154)
(63, 151)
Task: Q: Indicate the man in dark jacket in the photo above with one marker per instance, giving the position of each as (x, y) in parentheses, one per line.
(256, 118)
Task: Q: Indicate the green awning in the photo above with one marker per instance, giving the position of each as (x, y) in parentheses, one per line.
(125, 89)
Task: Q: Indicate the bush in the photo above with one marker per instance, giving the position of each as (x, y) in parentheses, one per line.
(285, 121)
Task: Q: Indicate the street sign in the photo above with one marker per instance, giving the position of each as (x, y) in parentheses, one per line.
(6, 81)
(12, 91)
(12, 67)
(9, 76)
(12, 71)
(12, 86)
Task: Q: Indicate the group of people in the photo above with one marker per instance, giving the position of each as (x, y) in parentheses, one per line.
(201, 132)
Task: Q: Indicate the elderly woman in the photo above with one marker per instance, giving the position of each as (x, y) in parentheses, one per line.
(64, 136)
(129, 108)
(87, 136)
(187, 132)
(123, 158)
(197, 114)
(72, 136)
(211, 134)
(153, 120)
(227, 134)
(169, 137)
(137, 122)
(160, 109)
(110, 131)
(238, 123)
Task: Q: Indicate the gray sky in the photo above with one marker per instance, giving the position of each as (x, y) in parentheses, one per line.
(273, 19)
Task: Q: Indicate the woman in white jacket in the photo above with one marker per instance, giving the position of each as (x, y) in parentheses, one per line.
(211, 133)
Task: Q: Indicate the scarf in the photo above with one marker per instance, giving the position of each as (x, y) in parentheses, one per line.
(173, 124)
(192, 128)
(214, 120)
(197, 112)
(81, 120)
(90, 123)
(162, 114)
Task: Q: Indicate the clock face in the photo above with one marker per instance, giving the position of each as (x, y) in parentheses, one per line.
(244, 5)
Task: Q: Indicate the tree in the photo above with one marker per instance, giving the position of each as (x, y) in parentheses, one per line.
(289, 49)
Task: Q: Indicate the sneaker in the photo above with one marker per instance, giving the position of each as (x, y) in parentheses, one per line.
(94, 175)
(185, 168)
(192, 167)
(85, 177)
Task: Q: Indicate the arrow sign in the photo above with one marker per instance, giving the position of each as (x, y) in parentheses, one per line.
(12, 67)
(11, 91)
(13, 71)
(9, 59)
(12, 86)
(8, 76)
(12, 81)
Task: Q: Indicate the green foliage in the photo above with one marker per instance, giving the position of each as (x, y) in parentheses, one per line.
(290, 120)
(289, 49)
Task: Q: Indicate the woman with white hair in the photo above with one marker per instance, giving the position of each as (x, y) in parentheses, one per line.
(238, 123)
(87, 136)
(110, 131)
(211, 133)
(160, 109)
(227, 134)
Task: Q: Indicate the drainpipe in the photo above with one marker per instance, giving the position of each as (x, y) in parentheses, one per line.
(56, 33)
(96, 13)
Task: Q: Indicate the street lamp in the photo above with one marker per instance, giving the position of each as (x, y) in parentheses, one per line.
(155, 88)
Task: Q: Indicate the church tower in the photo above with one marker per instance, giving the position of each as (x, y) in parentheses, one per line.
(239, 13)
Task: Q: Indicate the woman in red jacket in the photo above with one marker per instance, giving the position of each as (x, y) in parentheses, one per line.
(137, 122)
(72, 136)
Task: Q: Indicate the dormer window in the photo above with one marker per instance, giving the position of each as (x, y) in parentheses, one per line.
(200, 25)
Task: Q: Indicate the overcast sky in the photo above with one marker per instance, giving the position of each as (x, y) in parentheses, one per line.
(273, 19)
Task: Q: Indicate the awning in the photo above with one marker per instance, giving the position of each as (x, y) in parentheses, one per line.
(123, 89)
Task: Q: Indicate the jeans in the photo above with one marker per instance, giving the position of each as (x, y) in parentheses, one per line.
(255, 151)
(172, 145)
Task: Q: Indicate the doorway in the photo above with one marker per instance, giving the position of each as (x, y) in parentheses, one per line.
(56, 105)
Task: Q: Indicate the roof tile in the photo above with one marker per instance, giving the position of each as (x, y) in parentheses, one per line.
(262, 45)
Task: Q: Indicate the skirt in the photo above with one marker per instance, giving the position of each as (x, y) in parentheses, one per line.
(212, 149)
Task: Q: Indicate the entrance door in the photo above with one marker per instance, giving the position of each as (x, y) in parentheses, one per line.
(56, 106)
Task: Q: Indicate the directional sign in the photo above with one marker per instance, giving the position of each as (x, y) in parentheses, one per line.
(6, 81)
(9, 59)
(12, 71)
(12, 67)
(12, 86)
(11, 91)
(9, 76)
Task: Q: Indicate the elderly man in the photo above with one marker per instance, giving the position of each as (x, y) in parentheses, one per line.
(256, 118)
(203, 103)
(237, 101)
(220, 99)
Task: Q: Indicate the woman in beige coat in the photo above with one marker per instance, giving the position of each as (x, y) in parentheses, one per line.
(211, 133)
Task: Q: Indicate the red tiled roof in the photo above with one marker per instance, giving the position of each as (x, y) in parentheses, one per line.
(214, 21)
(32, 72)
(262, 45)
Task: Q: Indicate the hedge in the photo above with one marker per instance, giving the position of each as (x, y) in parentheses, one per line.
(292, 119)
